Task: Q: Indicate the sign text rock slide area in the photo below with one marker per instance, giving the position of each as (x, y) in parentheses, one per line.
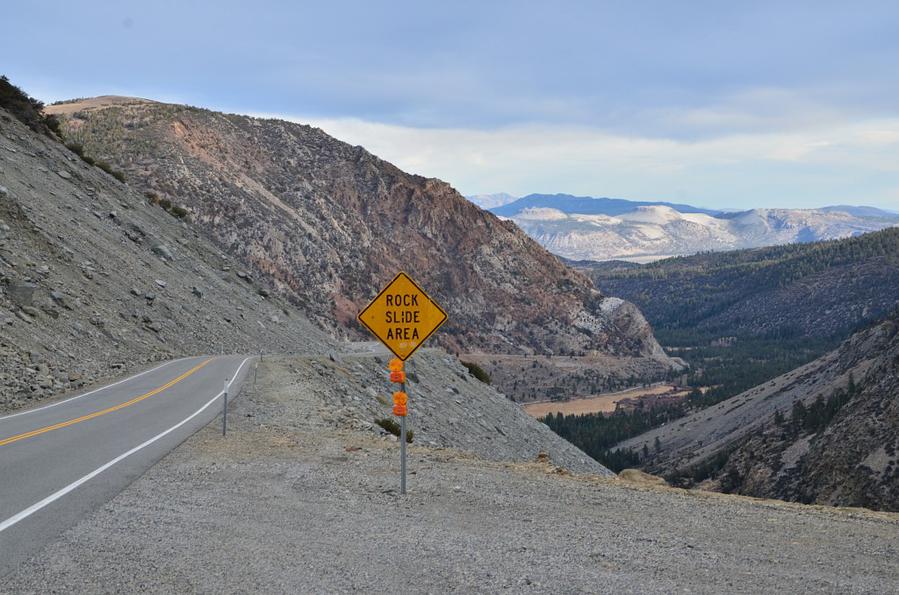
(402, 316)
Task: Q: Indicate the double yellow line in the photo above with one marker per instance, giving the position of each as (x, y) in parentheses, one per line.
(96, 414)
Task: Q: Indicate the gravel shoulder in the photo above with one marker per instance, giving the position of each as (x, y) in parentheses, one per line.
(294, 500)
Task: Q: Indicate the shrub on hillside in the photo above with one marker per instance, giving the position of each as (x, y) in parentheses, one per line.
(109, 169)
(78, 149)
(478, 372)
(392, 426)
(26, 109)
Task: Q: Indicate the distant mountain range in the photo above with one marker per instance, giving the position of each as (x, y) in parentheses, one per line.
(587, 228)
(587, 205)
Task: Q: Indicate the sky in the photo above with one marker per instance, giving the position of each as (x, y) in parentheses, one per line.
(718, 104)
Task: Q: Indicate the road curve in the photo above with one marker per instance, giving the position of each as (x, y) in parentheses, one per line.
(60, 461)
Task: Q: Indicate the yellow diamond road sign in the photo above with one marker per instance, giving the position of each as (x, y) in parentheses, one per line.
(402, 316)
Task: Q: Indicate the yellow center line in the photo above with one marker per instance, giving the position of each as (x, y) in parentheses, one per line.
(95, 414)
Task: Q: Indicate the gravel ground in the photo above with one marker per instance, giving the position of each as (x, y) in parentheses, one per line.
(300, 503)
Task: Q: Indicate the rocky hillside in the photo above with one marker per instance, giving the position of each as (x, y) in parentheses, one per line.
(449, 407)
(328, 223)
(826, 433)
(94, 279)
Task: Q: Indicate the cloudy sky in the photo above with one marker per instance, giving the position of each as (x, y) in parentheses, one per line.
(720, 104)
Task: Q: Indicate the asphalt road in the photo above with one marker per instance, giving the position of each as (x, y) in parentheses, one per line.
(61, 461)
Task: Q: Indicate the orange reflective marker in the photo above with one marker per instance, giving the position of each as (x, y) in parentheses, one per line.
(395, 365)
(399, 410)
(398, 377)
(400, 398)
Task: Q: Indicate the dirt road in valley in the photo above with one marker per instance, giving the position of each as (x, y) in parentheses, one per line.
(604, 403)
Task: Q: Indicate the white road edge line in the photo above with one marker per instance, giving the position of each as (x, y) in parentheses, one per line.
(75, 484)
(96, 390)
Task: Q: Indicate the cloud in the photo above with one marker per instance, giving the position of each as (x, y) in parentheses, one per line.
(834, 162)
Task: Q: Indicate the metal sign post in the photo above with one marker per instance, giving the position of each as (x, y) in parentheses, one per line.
(225, 411)
(403, 448)
(400, 409)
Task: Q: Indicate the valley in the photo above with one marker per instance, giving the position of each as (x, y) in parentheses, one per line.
(823, 433)
(740, 318)
(749, 323)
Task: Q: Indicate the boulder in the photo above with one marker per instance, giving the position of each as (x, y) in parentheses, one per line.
(161, 250)
(21, 293)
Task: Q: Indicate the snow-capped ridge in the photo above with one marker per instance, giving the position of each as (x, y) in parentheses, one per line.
(655, 231)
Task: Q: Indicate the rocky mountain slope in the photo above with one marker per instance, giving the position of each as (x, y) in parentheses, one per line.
(606, 229)
(328, 224)
(826, 433)
(94, 279)
(448, 406)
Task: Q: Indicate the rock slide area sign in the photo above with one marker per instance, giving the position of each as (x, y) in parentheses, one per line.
(402, 316)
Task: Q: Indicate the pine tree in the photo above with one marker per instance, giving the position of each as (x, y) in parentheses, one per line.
(779, 418)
